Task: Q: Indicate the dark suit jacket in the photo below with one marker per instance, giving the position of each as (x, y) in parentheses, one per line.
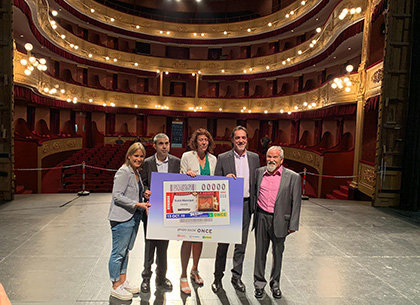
(149, 166)
(226, 165)
(288, 201)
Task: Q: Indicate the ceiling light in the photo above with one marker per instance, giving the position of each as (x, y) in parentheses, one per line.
(220, 109)
(353, 11)
(249, 30)
(292, 12)
(223, 71)
(63, 91)
(348, 89)
(54, 13)
(202, 34)
(358, 10)
(115, 60)
(90, 100)
(42, 61)
(296, 107)
(289, 112)
(267, 67)
(23, 62)
(107, 58)
(92, 10)
(318, 30)
(63, 36)
(270, 24)
(195, 34)
(349, 68)
(167, 33)
(265, 111)
(137, 27)
(283, 62)
(281, 110)
(287, 15)
(161, 32)
(135, 106)
(299, 52)
(305, 104)
(28, 47)
(90, 55)
(136, 64)
(303, 3)
(166, 72)
(225, 32)
(112, 19)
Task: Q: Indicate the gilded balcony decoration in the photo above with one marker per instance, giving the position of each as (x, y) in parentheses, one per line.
(54, 146)
(260, 25)
(309, 49)
(313, 99)
(306, 157)
(367, 179)
(374, 77)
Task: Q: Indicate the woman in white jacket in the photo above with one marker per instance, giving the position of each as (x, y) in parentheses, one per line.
(198, 161)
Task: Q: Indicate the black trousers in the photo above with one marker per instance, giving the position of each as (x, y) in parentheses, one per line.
(264, 233)
(161, 248)
(239, 253)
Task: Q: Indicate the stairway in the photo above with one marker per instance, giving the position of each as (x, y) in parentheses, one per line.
(341, 194)
(20, 189)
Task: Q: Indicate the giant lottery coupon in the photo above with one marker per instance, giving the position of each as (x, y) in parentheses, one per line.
(201, 208)
(196, 202)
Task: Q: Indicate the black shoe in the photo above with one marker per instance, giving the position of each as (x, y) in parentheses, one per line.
(145, 286)
(237, 284)
(276, 292)
(259, 293)
(164, 284)
(216, 286)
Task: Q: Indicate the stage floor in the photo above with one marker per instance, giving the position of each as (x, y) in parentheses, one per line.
(346, 252)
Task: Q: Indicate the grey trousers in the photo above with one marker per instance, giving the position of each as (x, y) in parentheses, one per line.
(264, 233)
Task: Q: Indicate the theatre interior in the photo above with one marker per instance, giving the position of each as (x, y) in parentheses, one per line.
(331, 81)
(335, 83)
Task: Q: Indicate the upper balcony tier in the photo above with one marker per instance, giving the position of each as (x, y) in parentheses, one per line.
(282, 21)
(322, 44)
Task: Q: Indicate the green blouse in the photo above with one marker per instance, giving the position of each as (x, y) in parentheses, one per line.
(206, 170)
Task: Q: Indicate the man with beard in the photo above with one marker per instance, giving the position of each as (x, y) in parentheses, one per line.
(161, 162)
(242, 163)
(277, 215)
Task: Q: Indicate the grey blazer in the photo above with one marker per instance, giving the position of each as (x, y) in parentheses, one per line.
(149, 166)
(288, 201)
(189, 161)
(226, 165)
(125, 195)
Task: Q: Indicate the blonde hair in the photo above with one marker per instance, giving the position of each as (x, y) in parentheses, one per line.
(132, 150)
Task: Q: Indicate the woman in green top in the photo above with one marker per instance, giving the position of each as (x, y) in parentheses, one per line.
(198, 161)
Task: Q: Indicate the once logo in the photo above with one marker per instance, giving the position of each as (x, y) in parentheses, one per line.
(208, 231)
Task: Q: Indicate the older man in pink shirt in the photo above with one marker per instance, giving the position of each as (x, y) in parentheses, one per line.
(277, 215)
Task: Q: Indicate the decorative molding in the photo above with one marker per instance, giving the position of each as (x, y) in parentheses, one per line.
(55, 146)
(305, 157)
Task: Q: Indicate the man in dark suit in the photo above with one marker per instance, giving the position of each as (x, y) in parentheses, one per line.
(277, 215)
(237, 162)
(161, 162)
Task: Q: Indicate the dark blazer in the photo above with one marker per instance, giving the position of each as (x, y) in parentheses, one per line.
(226, 165)
(149, 166)
(288, 201)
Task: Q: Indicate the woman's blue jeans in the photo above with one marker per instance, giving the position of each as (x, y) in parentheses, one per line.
(123, 237)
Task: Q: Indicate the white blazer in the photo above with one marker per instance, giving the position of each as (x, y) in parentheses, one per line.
(189, 162)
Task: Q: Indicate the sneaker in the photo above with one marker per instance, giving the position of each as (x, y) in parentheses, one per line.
(121, 294)
(130, 288)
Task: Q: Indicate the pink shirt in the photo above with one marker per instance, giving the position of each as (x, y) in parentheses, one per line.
(269, 189)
